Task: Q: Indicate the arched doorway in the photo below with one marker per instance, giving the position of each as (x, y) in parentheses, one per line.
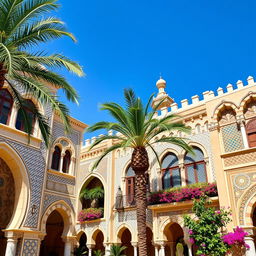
(82, 248)
(150, 247)
(174, 235)
(7, 201)
(53, 245)
(126, 238)
(98, 238)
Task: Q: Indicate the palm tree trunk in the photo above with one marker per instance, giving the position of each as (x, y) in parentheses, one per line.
(141, 207)
(3, 71)
(140, 165)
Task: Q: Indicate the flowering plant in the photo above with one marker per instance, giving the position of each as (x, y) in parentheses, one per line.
(190, 192)
(236, 238)
(90, 214)
(205, 228)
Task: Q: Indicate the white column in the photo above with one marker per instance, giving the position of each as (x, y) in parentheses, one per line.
(190, 250)
(11, 247)
(107, 249)
(162, 251)
(13, 117)
(68, 247)
(250, 252)
(156, 251)
(90, 252)
(244, 135)
(90, 246)
(61, 161)
(135, 249)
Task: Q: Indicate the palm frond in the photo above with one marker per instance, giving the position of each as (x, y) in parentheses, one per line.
(29, 10)
(57, 61)
(42, 93)
(130, 97)
(34, 34)
(38, 72)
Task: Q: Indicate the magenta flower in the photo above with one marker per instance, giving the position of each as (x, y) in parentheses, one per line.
(236, 238)
(90, 214)
(192, 240)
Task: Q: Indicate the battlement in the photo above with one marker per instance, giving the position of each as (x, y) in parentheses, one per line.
(195, 101)
(206, 96)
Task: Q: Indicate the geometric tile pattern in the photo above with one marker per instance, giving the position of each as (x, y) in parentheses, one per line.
(50, 199)
(60, 179)
(36, 170)
(232, 138)
(59, 131)
(244, 158)
(30, 247)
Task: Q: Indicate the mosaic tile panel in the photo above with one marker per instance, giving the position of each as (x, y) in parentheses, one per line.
(243, 181)
(30, 247)
(60, 179)
(244, 158)
(58, 131)
(232, 138)
(50, 199)
(36, 170)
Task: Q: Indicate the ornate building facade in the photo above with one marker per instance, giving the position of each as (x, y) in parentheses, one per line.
(40, 188)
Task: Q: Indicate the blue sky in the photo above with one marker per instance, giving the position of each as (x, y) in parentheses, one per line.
(196, 45)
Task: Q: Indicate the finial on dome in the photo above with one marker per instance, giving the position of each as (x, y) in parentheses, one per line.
(161, 83)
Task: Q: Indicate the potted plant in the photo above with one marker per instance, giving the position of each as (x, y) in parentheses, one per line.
(117, 250)
(98, 253)
(93, 194)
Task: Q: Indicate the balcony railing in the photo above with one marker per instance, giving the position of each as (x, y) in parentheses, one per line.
(124, 201)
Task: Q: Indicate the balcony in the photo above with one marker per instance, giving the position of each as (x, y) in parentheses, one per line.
(173, 196)
(181, 194)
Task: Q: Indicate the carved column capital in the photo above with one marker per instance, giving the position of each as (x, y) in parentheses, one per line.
(213, 126)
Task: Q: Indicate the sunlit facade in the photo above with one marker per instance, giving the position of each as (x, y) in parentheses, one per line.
(40, 204)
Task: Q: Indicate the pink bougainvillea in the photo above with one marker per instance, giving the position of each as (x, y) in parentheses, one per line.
(236, 238)
(90, 214)
(183, 194)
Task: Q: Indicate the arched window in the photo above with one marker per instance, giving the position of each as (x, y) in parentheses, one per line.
(195, 167)
(6, 103)
(66, 161)
(20, 122)
(170, 171)
(130, 185)
(56, 158)
(251, 133)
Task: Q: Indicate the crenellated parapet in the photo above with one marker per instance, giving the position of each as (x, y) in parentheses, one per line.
(205, 97)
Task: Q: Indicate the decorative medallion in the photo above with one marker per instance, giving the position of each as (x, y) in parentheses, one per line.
(242, 181)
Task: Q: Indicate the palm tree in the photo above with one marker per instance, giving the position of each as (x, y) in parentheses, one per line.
(117, 250)
(137, 128)
(23, 27)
